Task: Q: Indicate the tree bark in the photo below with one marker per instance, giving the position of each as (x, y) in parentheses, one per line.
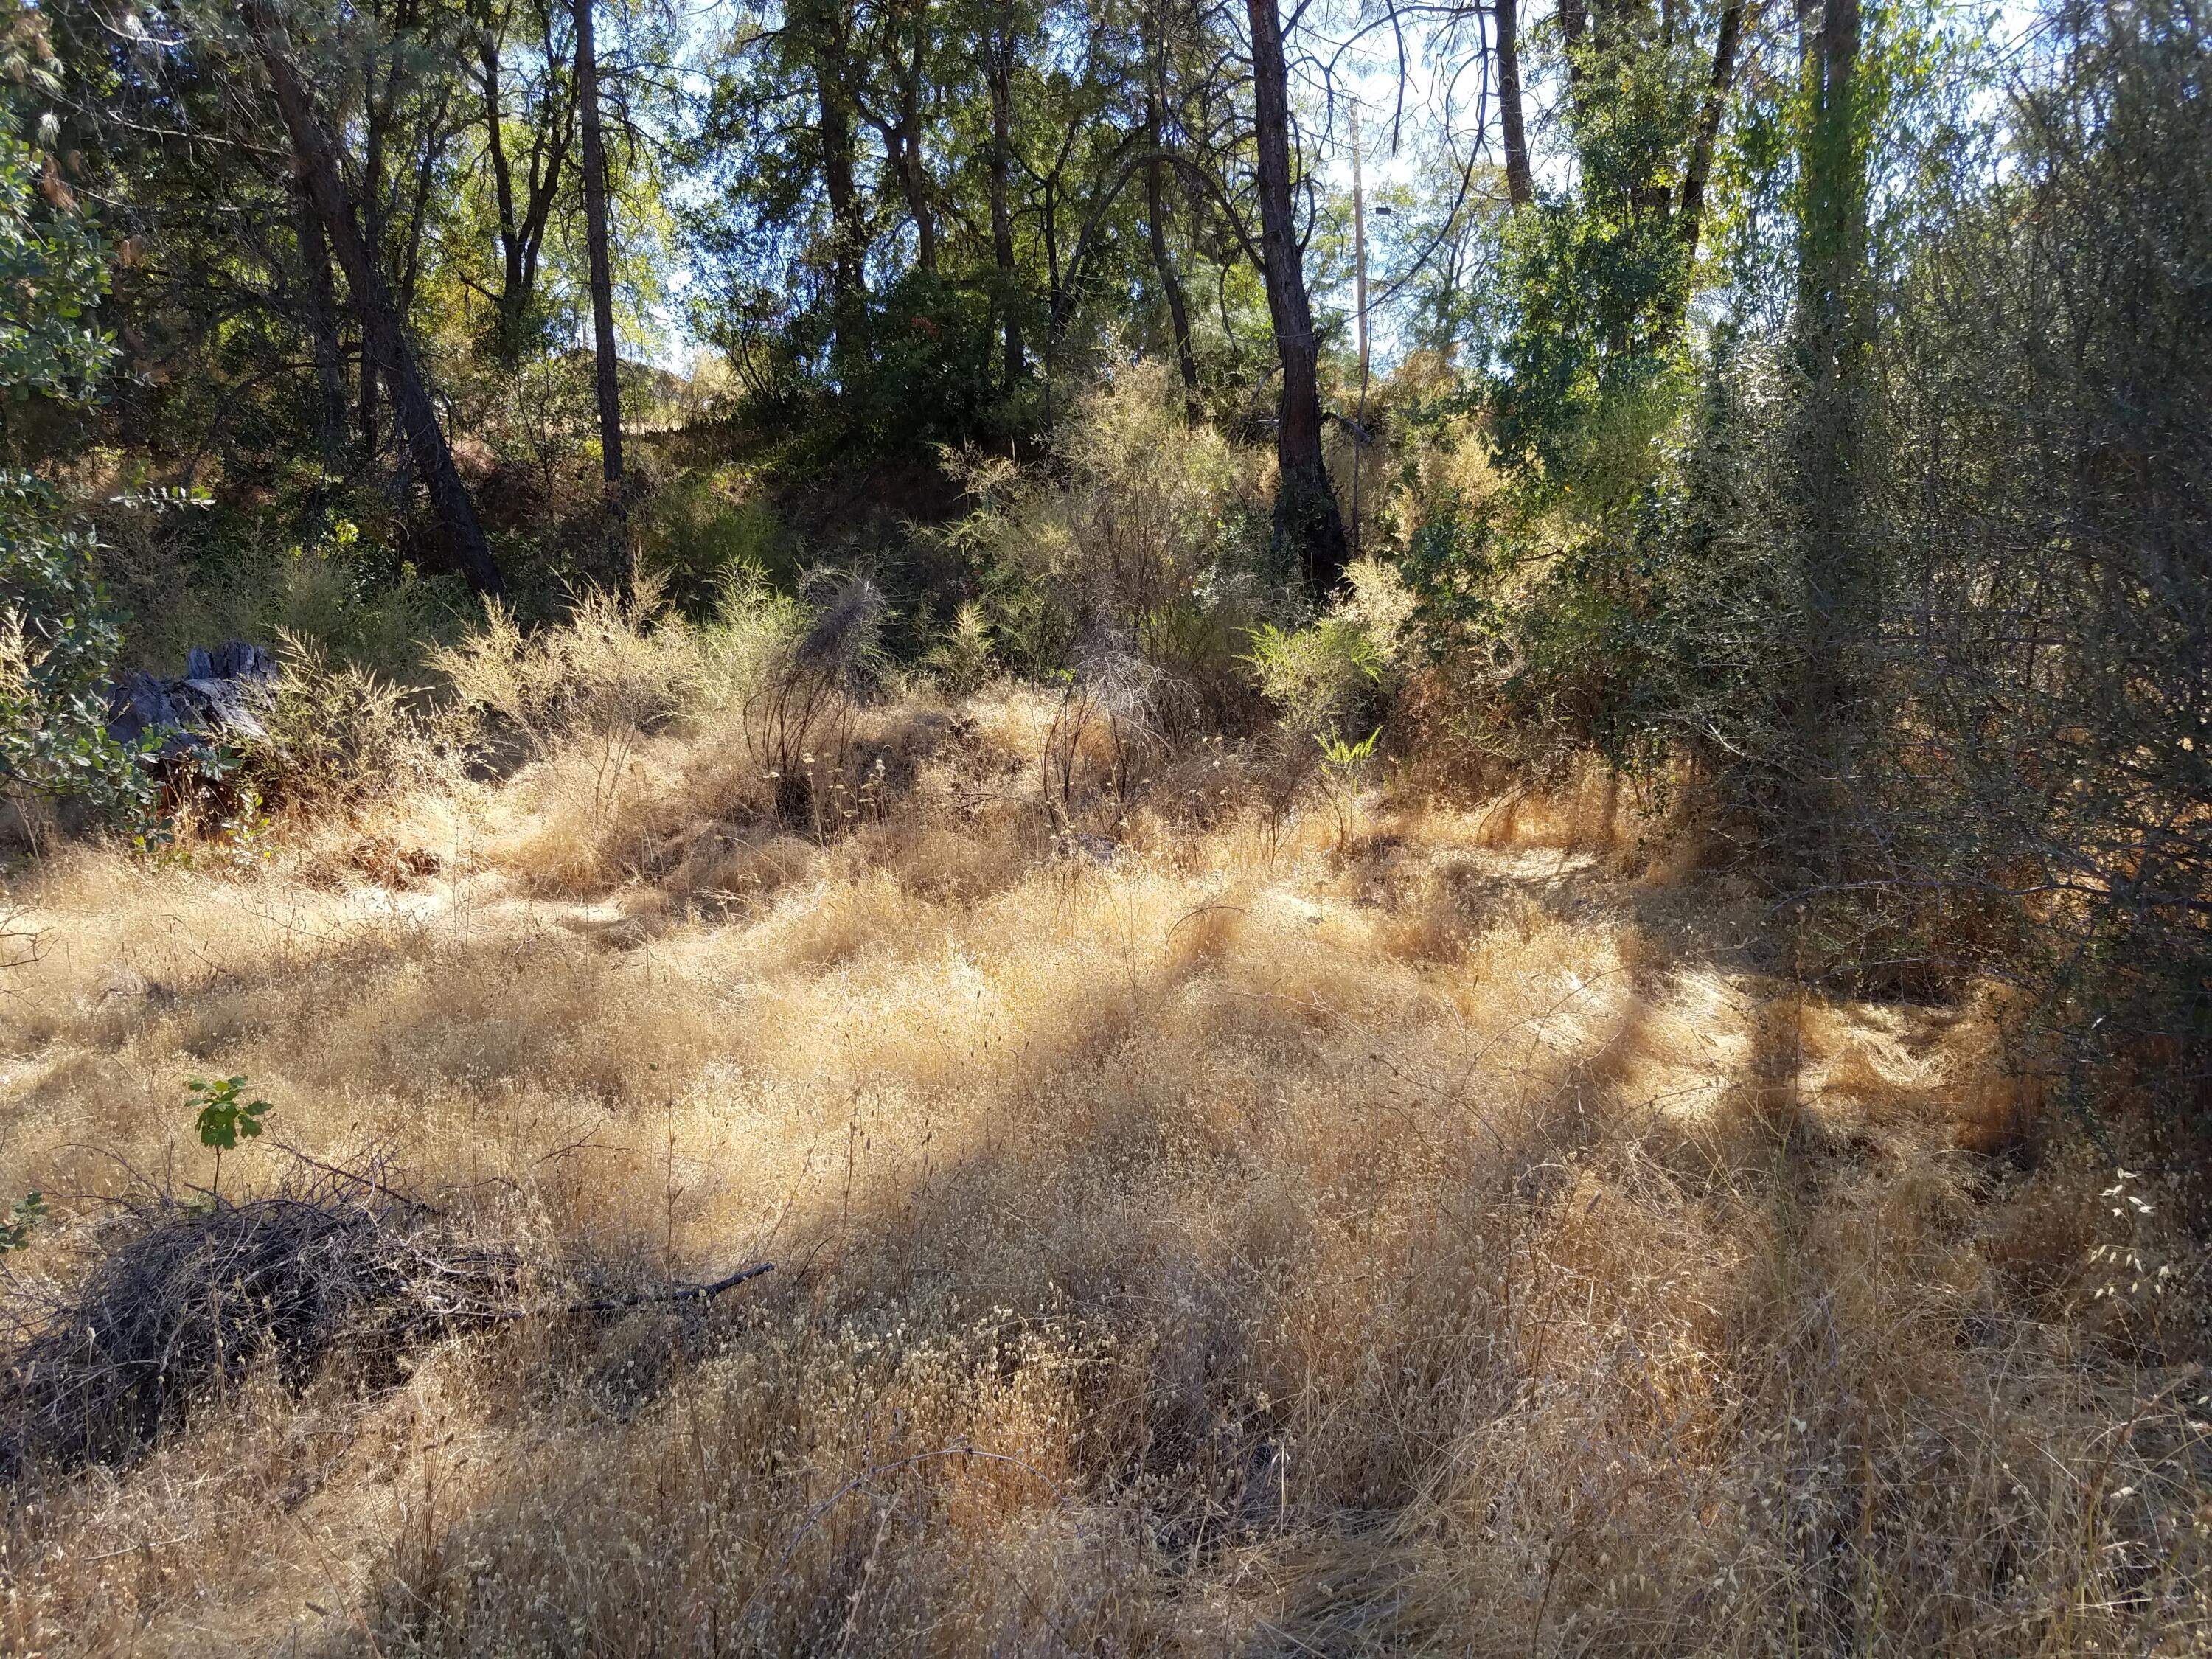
(322, 319)
(1692, 207)
(1833, 332)
(999, 72)
(1519, 186)
(386, 348)
(1574, 26)
(825, 28)
(367, 413)
(1308, 524)
(607, 378)
(1360, 319)
(903, 141)
(1156, 217)
(521, 233)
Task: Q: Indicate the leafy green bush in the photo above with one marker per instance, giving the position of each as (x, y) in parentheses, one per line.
(225, 1117)
(1339, 670)
(59, 638)
(964, 661)
(1318, 676)
(1598, 281)
(918, 371)
(696, 528)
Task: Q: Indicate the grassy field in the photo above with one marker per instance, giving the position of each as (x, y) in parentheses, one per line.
(1414, 1229)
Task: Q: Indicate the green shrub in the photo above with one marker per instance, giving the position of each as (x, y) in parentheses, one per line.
(59, 635)
(1340, 671)
(696, 528)
(964, 661)
(23, 1214)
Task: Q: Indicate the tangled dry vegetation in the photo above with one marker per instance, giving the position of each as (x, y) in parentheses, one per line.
(1201, 1228)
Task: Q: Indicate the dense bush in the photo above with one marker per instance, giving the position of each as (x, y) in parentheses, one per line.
(1923, 596)
(1136, 555)
(59, 639)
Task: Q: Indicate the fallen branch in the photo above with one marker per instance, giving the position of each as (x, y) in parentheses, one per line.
(669, 1295)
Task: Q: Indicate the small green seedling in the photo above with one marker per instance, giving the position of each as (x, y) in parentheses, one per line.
(225, 1119)
(22, 1215)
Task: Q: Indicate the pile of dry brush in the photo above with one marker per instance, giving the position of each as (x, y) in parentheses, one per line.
(182, 1297)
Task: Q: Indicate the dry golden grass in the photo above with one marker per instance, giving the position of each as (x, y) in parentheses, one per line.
(1193, 1239)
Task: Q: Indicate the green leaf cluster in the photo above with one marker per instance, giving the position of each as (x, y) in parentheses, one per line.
(23, 1214)
(224, 1118)
(59, 638)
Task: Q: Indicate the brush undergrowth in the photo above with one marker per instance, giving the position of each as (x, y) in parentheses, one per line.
(1205, 1221)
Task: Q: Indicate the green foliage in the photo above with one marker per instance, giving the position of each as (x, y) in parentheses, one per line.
(23, 1214)
(1447, 565)
(1345, 758)
(700, 526)
(964, 661)
(916, 371)
(1590, 368)
(1599, 282)
(1345, 765)
(353, 600)
(1130, 543)
(59, 639)
(347, 589)
(338, 736)
(53, 272)
(225, 1118)
(1317, 676)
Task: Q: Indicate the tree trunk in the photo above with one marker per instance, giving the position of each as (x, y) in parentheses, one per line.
(904, 143)
(418, 213)
(370, 216)
(521, 233)
(322, 319)
(1308, 524)
(608, 379)
(368, 418)
(1574, 26)
(1359, 320)
(913, 167)
(999, 71)
(848, 280)
(1520, 187)
(386, 345)
(1834, 339)
(824, 27)
(1156, 220)
(1691, 208)
(507, 329)
(1156, 217)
